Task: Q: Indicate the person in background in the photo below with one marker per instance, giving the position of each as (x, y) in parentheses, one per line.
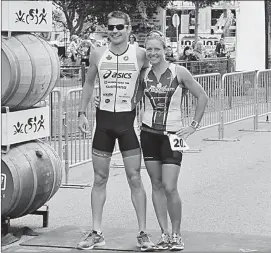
(220, 49)
(188, 55)
(72, 49)
(132, 40)
(169, 54)
(199, 50)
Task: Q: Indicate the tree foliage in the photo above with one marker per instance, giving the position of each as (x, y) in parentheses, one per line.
(80, 12)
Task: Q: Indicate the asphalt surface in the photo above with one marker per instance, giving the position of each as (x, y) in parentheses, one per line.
(225, 189)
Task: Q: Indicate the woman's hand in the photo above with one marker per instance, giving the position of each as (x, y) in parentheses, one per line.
(185, 132)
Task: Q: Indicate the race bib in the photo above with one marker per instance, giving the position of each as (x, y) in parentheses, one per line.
(177, 143)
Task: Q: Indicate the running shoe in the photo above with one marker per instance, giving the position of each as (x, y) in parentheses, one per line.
(144, 242)
(163, 242)
(92, 240)
(176, 243)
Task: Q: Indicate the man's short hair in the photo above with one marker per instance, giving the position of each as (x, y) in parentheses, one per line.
(121, 15)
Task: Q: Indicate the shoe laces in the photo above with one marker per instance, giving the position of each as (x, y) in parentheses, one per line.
(164, 238)
(176, 238)
(145, 237)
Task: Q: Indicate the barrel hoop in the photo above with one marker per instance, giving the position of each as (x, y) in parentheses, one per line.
(9, 162)
(14, 78)
(53, 70)
(33, 75)
(35, 184)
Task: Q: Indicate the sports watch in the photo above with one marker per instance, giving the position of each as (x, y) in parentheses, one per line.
(194, 124)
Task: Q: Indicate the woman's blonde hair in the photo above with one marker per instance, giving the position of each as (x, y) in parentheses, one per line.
(156, 35)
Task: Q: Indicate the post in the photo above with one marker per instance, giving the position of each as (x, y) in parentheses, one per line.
(83, 73)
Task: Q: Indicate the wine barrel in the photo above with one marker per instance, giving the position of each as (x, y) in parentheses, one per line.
(30, 69)
(31, 174)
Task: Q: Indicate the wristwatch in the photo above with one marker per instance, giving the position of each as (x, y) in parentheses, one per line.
(194, 124)
(80, 113)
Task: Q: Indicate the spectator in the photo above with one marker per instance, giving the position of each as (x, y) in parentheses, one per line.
(132, 40)
(188, 55)
(198, 50)
(169, 54)
(72, 49)
(220, 49)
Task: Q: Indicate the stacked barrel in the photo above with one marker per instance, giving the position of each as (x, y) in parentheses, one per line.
(31, 171)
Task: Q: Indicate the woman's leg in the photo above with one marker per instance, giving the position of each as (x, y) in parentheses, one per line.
(170, 174)
(154, 169)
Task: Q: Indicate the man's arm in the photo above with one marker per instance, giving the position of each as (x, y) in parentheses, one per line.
(90, 81)
(185, 77)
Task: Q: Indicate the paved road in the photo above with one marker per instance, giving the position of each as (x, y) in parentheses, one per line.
(225, 188)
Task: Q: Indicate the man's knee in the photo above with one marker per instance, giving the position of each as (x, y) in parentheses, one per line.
(100, 179)
(134, 179)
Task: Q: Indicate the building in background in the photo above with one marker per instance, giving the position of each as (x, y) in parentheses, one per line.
(211, 23)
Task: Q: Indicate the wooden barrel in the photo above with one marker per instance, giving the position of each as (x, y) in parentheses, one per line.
(30, 69)
(31, 174)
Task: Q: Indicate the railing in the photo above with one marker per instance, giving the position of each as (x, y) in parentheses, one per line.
(233, 97)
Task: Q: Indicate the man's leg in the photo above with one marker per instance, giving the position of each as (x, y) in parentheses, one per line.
(101, 162)
(98, 192)
(131, 154)
(132, 164)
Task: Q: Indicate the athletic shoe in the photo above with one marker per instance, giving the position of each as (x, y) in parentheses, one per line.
(176, 243)
(144, 242)
(92, 240)
(163, 242)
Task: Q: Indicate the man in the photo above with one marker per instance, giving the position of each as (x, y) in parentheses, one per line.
(118, 67)
(220, 49)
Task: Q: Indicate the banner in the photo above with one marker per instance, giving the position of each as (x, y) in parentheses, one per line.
(28, 16)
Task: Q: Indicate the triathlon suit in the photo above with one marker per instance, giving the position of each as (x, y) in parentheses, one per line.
(162, 114)
(115, 115)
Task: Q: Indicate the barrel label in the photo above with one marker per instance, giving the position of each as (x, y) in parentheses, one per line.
(3, 181)
(33, 123)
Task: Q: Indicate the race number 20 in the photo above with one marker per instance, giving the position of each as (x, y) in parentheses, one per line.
(177, 143)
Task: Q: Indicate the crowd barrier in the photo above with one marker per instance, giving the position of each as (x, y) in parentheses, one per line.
(233, 97)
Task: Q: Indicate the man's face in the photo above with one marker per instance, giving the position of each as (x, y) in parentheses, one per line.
(118, 31)
(222, 41)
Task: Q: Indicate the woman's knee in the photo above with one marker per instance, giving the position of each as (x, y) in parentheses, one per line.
(157, 184)
(170, 190)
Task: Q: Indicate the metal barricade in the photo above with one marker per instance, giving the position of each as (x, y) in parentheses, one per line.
(55, 102)
(263, 98)
(77, 144)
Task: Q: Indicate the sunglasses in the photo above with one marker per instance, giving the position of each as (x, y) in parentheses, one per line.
(119, 27)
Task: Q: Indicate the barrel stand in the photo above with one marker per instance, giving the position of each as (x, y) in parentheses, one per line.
(5, 225)
(44, 213)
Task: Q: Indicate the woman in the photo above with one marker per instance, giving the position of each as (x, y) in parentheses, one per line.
(162, 132)
(188, 55)
(132, 40)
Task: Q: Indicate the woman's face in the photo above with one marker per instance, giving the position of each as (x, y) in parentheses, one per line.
(132, 39)
(168, 51)
(188, 52)
(155, 51)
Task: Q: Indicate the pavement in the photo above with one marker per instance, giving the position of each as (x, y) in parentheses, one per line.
(224, 186)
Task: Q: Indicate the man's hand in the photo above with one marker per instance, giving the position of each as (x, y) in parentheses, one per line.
(83, 124)
(96, 101)
(185, 132)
